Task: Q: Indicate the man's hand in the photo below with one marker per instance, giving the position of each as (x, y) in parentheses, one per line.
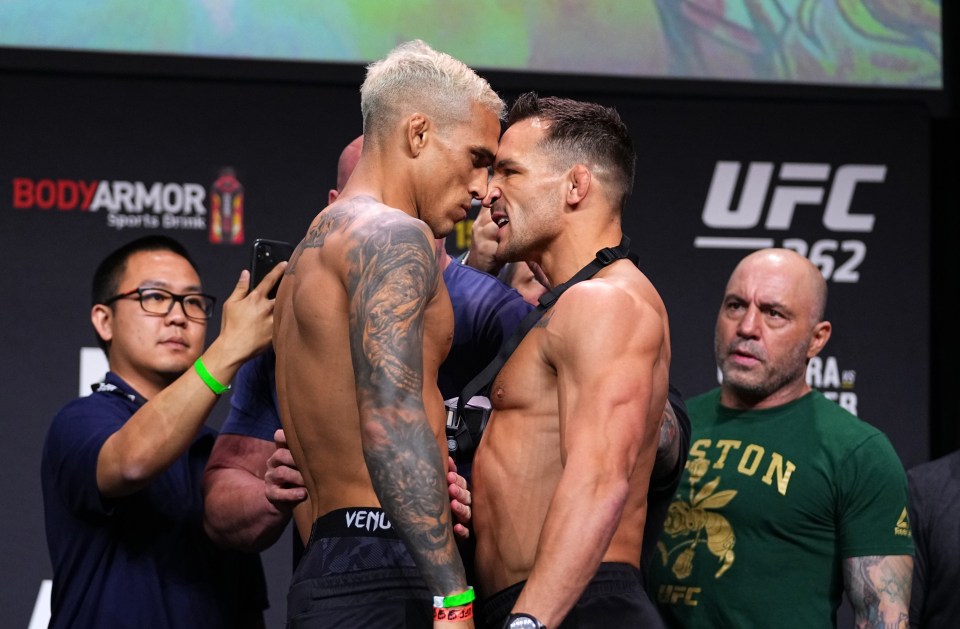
(246, 326)
(483, 245)
(460, 500)
(283, 481)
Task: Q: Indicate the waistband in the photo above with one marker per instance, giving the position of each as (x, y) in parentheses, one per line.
(611, 578)
(354, 522)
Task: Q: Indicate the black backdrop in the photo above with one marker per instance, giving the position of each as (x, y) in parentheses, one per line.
(112, 130)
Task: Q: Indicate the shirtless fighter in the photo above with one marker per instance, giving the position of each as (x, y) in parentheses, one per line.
(362, 323)
(562, 474)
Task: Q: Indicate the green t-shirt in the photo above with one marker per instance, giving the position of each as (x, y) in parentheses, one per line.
(769, 505)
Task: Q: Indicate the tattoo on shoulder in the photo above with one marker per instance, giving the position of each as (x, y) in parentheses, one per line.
(335, 219)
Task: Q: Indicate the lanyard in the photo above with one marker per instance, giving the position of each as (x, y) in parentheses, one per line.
(483, 379)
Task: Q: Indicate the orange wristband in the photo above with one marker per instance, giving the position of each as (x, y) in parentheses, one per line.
(453, 614)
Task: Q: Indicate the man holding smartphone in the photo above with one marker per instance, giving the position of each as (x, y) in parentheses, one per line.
(121, 468)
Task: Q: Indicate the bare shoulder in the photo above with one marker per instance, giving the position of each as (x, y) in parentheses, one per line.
(358, 227)
(615, 299)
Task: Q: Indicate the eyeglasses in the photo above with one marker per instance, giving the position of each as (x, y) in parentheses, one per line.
(160, 302)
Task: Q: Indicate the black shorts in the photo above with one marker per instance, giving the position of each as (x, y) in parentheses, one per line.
(356, 572)
(615, 597)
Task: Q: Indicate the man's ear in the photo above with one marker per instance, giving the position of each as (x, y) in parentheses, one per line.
(102, 319)
(578, 184)
(418, 126)
(821, 334)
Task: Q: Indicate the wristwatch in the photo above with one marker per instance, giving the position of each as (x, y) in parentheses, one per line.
(522, 621)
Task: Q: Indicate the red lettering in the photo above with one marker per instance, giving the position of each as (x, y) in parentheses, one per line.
(87, 188)
(64, 194)
(67, 194)
(22, 193)
(45, 194)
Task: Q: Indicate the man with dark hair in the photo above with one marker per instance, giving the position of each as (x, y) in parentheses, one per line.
(121, 468)
(562, 475)
(240, 510)
(788, 500)
(362, 325)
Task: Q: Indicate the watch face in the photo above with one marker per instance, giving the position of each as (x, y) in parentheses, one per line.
(523, 621)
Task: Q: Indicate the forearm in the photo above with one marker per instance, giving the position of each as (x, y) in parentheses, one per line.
(580, 523)
(879, 589)
(409, 477)
(163, 428)
(237, 513)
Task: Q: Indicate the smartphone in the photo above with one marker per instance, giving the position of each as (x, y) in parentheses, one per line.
(266, 255)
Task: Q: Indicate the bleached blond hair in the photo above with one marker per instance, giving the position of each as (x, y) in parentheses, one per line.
(415, 77)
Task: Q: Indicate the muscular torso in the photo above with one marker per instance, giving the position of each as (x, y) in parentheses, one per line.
(521, 459)
(336, 268)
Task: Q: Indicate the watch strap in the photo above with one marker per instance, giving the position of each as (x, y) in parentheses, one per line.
(522, 621)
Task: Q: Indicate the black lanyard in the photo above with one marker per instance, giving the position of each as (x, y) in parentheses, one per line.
(483, 379)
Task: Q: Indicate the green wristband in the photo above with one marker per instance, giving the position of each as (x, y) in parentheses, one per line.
(208, 378)
(454, 600)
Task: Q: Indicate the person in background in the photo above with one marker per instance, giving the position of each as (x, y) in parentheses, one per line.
(788, 500)
(241, 510)
(122, 468)
(562, 474)
(362, 324)
(934, 505)
(520, 276)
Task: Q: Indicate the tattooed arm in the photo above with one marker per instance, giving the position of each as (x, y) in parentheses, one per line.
(393, 274)
(879, 589)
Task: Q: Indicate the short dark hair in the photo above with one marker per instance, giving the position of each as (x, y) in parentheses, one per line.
(106, 279)
(583, 132)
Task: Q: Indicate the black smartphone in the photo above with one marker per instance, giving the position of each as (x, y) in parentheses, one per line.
(266, 255)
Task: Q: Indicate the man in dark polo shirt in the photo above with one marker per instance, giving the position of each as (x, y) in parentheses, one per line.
(122, 468)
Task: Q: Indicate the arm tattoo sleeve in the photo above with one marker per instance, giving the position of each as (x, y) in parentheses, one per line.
(879, 589)
(393, 274)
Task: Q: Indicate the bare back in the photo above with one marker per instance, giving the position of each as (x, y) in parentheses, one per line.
(360, 303)
(565, 462)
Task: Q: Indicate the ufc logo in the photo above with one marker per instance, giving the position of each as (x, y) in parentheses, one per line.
(719, 213)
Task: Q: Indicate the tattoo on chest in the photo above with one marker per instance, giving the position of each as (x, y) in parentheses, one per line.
(544, 320)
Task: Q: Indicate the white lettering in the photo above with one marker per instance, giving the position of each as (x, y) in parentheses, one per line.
(848, 400)
(837, 216)
(103, 198)
(172, 196)
(194, 195)
(123, 196)
(148, 197)
(786, 198)
(135, 197)
(719, 212)
(171, 221)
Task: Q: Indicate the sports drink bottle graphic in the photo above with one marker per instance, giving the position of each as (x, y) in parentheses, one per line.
(226, 208)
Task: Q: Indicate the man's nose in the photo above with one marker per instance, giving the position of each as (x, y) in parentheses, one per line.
(748, 322)
(493, 193)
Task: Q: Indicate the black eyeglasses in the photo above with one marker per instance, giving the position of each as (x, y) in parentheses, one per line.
(160, 302)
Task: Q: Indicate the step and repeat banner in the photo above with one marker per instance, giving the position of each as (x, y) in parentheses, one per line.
(90, 162)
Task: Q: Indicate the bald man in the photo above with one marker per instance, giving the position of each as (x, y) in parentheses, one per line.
(788, 500)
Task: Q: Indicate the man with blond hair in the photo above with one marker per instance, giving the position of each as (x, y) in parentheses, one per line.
(363, 321)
